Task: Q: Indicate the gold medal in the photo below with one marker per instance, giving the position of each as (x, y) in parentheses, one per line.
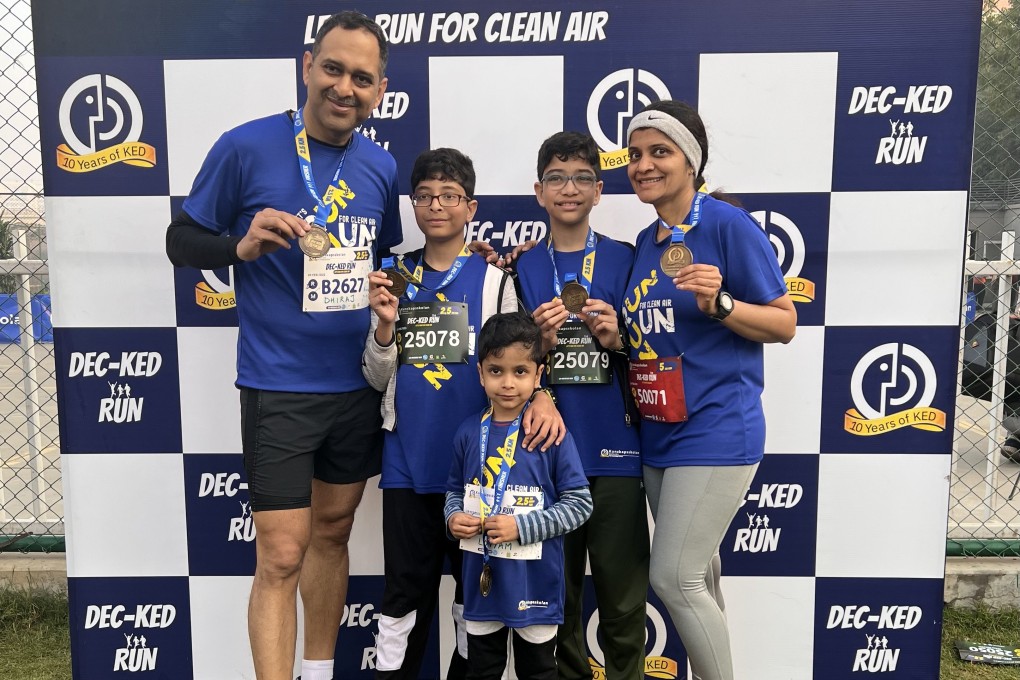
(397, 284)
(485, 582)
(574, 296)
(315, 243)
(675, 258)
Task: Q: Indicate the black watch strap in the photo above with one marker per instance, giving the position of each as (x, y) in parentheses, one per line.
(723, 305)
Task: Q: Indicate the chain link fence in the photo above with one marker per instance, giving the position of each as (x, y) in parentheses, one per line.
(984, 513)
(31, 500)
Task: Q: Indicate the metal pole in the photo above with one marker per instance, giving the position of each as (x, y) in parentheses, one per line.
(995, 412)
(30, 381)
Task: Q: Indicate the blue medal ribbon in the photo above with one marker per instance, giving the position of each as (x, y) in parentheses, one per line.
(587, 268)
(305, 165)
(419, 271)
(677, 232)
(507, 461)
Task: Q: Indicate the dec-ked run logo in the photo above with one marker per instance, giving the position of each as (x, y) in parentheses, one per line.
(616, 99)
(101, 121)
(892, 387)
(658, 664)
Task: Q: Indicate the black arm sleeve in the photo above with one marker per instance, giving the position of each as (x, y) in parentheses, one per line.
(189, 244)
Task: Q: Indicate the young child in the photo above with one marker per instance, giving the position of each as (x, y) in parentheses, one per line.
(578, 266)
(427, 371)
(510, 507)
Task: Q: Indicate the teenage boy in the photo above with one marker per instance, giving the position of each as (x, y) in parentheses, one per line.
(422, 354)
(589, 272)
(509, 507)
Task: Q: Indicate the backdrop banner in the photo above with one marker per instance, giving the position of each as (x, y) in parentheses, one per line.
(845, 131)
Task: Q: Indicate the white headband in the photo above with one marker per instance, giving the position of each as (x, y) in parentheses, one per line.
(672, 128)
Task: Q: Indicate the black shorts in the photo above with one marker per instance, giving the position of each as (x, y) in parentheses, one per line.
(290, 437)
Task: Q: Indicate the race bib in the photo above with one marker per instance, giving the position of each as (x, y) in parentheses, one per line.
(337, 281)
(515, 502)
(433, 332)
(658, 389)
(576, 359)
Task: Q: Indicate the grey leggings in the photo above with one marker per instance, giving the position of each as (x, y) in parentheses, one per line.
(693, 507)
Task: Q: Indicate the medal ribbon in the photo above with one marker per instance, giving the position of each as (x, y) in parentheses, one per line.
(419, 271)
(587, 266)
(499, 485)
(305, 165)
(678, 232)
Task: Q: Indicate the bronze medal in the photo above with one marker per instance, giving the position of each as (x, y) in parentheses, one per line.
(315, 243)
(485, 582)
(397, 284)
(574, 296)
(675, 258)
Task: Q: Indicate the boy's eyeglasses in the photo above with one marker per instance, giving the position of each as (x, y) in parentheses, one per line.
(445, 200)
(560, 181)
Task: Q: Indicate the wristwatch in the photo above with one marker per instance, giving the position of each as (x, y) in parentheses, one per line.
(723, 305)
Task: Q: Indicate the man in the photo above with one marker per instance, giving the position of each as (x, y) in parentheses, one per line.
(311, 425)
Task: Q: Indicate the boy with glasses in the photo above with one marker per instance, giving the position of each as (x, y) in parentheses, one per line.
(427, 307)
(575, 282)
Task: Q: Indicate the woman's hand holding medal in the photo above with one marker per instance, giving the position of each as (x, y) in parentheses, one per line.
(704, 280)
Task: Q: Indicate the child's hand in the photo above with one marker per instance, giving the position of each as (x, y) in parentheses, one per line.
(384, 304)
(486, 250)
(550, 317)
(463, 525)
(520, 249)
(501, 528)
(492, 257)
(601, 319)
(543, 424)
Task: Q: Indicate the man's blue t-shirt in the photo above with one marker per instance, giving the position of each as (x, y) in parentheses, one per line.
(255, 166)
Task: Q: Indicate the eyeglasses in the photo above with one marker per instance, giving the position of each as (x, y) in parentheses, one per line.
(445, 200)
(560, 181)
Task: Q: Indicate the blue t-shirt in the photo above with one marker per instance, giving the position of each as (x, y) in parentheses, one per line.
(723, 373)
(524, 592)
(255, 166)
(432, 401)
(594, 414)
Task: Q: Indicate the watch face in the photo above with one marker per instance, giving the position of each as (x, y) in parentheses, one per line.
(726, 302)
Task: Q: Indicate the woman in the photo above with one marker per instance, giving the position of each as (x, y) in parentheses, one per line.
(705, 293)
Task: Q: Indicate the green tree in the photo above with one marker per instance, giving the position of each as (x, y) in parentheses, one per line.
(997, 117)
(8, 282)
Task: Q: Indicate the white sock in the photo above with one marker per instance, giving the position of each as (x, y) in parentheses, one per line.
(316, 670)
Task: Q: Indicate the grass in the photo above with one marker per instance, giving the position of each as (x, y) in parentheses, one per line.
(34, 642)
(34, 639)
(978, 625)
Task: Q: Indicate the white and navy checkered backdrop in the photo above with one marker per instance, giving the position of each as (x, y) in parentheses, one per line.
(845, 130)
